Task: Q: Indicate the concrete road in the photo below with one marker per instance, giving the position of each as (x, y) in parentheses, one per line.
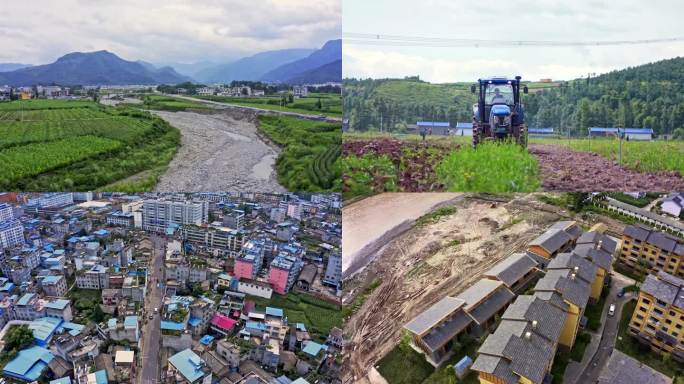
(151, 333)
(610, 330)
(329, 119)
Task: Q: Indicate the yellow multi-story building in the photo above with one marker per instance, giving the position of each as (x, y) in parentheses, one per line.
(559, 238)
(658, 319)
(564, 289)
(599, 249)
(522, 348)
(645, 250)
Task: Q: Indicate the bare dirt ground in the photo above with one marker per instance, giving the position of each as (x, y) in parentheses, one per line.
(367, 220)
(563, 169)
(220, 151)
(426, 263)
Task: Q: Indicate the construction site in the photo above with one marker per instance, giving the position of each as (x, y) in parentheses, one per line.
(441, 253)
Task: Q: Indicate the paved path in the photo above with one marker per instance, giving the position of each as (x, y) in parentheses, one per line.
(330, 119)
(368, 223)
(151, 333)
(602, 343)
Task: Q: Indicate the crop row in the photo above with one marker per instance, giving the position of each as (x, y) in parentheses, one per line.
(119, 128)
(34, 159)
(52, 114)
(44, 104)
(321, 169)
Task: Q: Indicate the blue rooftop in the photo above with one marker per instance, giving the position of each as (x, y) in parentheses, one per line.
(625, 130)
(464, 125)
(188, 364)
(51, 279)
(101, 377)
(74, 329)
(312, 348)
(28, 364)
(256, 325)
(131, 322)
(433, 123)
(270, 311)
(25, 299)
(172, 325)
(63, 380)
(57, 304)
(194, 321)
(43, 329)
(540, 130)
(101, 232)
(207, 339)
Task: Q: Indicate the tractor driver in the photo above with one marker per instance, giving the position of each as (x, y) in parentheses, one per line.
(498, 97)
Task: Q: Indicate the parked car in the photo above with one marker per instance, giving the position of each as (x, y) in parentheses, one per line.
(611, 310)
(621, 292)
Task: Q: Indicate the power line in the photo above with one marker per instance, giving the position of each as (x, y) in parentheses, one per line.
(422, 41)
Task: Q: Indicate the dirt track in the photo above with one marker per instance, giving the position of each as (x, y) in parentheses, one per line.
(427, 263)
(563, 169)
(219, 151)
(368, 220)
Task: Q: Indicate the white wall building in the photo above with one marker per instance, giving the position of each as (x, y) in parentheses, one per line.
(11, 233)
(160, 214)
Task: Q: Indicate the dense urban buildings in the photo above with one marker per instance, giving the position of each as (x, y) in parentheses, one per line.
(209, 281)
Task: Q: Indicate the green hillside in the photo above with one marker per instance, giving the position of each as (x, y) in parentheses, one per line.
(649, 95)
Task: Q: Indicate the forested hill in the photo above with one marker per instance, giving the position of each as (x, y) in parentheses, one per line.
(649, 95)
(398, 102)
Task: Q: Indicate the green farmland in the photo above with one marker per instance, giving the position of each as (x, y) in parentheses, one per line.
(80, 145)
(331, 105)
(164, 103)
(310, 152)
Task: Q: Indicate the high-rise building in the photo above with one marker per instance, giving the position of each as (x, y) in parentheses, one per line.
(11, 233)
(160, 214)
(6, 212)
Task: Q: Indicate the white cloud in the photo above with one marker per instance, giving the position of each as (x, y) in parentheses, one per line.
(39, 31)
(581, 20)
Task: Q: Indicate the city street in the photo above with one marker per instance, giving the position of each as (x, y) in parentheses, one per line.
(151, 334)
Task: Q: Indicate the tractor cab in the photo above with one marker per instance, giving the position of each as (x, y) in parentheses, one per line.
(498, 113)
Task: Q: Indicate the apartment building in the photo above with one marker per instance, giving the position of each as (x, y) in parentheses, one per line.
(283, 272)
(249, 263)
(122, 219)
(160, 214)
(582, 269)
(333, 270)
(658, 319)
(645, 250)
(599, 250)
(222, 241)
(51, 200)
(6, 212)
(94, 278)
(11, 233)
(54, 286)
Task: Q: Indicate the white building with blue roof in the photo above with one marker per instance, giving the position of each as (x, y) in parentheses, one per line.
(186, 367)
(11, 233)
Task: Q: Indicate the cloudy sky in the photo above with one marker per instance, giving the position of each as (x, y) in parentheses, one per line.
(40, 31)
(579, 20)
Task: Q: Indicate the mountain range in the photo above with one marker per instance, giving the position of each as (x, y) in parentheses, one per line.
(92, 68)
(291, 66)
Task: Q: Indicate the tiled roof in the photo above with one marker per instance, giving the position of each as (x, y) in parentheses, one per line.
(583, 268)
(478, 292)
(550, 319)
(552, 240)
(665, 287)
(491, 305)
(433, 315)
(512, 268)
(574, 290)
(447, 330)
(599, 257)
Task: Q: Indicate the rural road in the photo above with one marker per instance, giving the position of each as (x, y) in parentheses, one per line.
(220, 151)
(329, 119)
(151, 333)
(368, 221)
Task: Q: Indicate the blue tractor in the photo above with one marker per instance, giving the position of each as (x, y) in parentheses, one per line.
(499, 113)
